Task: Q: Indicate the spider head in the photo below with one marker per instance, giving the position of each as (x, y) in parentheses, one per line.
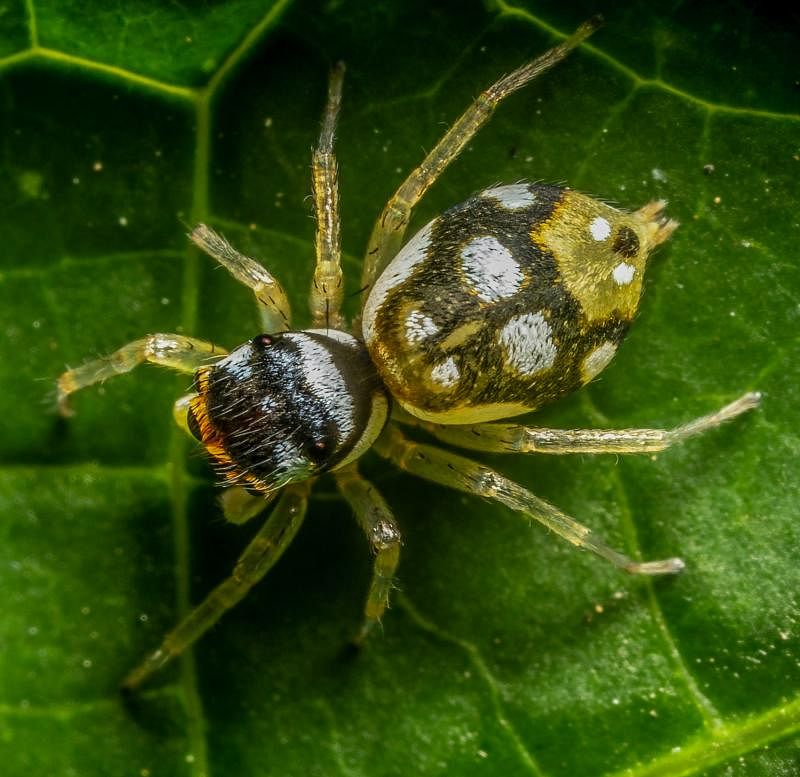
(288, 406)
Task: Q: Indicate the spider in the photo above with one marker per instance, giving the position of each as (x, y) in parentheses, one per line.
(508, 301)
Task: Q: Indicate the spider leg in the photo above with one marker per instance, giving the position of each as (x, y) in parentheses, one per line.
(181, 353)
(454, 471)
(180, 412)
(387, 234)
(327, 290)
(516, 438)
(240, 505)
(377, 521)
(257, 559)
(273, 304)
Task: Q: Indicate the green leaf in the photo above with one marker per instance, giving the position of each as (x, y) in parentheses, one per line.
(506, 652)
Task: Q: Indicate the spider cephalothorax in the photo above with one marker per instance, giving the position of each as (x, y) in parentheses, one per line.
(510, 300)
(287, 406)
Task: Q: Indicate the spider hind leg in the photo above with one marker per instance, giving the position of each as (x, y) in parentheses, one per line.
(463, 474)
(518, 438)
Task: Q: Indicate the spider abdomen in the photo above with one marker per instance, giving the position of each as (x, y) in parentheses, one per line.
(508, 301)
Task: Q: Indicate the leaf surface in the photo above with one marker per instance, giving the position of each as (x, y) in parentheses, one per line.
(506, 652)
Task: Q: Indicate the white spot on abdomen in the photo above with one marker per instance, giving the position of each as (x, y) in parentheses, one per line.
(600, 228)
(490, 269)
(623, 273)
(528, 343)
(513, 197)
(597, 360)
(419, 326)
(413, 253)
(446, 373)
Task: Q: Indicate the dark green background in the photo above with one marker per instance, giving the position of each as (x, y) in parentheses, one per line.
(506, 651)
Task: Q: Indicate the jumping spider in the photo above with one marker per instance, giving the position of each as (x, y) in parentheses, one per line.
(501, 304)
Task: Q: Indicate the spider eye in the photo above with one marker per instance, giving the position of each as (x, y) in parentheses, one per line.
(322, 444)
(265, 341)
(317, 451)
(626, 243)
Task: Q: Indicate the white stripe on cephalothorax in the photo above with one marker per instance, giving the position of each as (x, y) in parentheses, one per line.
(238, 362)
(326, 382)
(338, 335)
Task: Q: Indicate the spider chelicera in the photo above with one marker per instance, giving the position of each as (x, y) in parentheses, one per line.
(501, 304)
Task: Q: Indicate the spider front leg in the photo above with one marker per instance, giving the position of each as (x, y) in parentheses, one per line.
(273, 304)
(454, 471)
(240, 505)
(257, 559)
(181, 353)
(327, 289)
(516, 438)
(377, 521)
(387, 234)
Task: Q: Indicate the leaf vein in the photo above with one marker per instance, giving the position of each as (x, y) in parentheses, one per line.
(483, 671)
